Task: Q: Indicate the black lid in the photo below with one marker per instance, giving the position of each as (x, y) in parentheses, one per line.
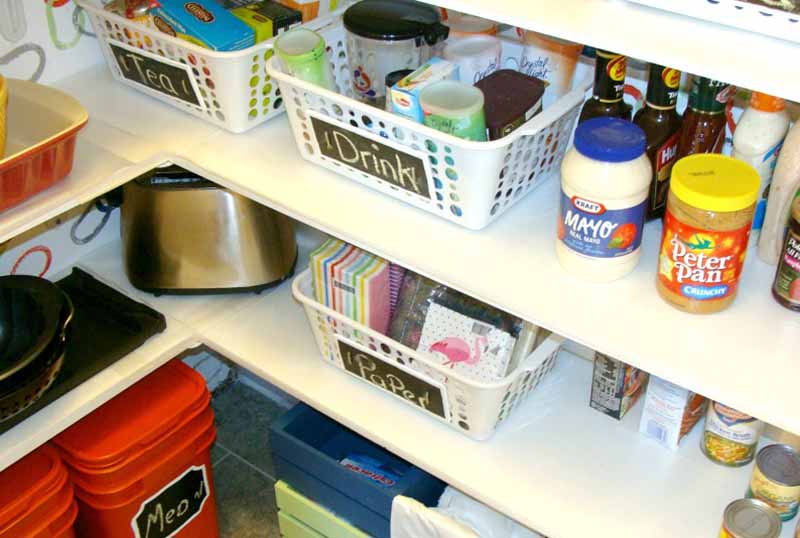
(395, 20)
(396, 76)
(173, 177)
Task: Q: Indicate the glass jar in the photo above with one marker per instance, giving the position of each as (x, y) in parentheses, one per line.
(710, 210)
(786, 288)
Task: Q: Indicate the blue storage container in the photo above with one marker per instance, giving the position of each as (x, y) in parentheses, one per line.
(307, 450)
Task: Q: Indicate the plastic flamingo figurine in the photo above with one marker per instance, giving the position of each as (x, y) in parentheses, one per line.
(457, 350)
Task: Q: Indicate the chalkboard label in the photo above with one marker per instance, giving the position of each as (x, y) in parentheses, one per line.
(167, 512)
(393, 379)
(378, 157)
(163, 75)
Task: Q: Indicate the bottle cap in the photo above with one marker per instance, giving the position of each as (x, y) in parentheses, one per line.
(610, 140)
(766, 102)
(715, 183)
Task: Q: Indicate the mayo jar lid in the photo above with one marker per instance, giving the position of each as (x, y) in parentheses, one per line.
(610, 140)
(715, 183)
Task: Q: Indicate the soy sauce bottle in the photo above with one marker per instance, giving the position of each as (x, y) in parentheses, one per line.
(609, 89)
(661, 124)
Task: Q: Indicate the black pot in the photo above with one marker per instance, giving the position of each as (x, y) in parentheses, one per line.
(35, 316)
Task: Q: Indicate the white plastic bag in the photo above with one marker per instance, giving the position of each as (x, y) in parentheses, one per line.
(457, 516)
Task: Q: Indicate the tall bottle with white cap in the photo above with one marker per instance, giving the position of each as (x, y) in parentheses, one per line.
(784, 188)
(757, 141)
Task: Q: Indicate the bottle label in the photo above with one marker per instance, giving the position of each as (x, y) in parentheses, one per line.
(589, 228)
(787, 279)
(665, 157)
(699, 264)
(662, 87)
(609, 81)
(732, 425)
(765, 169)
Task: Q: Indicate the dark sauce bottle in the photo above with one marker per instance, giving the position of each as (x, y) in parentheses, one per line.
(609, 89)
(662, 126)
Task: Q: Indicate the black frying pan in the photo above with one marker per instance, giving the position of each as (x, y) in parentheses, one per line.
(27, 384)
(31, 309)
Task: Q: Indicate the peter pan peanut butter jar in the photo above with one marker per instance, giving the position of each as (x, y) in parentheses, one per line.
(706, 228)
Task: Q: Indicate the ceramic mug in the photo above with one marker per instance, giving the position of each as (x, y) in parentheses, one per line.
(477, 56)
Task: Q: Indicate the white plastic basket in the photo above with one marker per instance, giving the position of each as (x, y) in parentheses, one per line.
(229, 89)
(469, 183)
(745, 15)
(473, 408)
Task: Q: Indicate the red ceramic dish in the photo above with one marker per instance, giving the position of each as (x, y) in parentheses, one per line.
(42, 128)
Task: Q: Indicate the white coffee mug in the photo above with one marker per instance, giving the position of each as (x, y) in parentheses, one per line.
(476, 56)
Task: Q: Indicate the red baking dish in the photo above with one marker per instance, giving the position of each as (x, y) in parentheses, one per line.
(42, 127)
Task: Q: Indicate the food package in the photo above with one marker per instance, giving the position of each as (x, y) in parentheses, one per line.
(616, 386)
(670, 412)
(267, 18)
(405, 94)
(204, 23)
(311, 9)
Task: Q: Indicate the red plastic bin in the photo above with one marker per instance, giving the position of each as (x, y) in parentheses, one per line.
(143, 460)
(42, 129)
(36, 498)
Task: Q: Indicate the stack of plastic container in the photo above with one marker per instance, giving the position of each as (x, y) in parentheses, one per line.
(36, 499)
(141, 463)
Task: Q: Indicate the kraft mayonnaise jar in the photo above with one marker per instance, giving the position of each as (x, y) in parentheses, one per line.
(605, 180)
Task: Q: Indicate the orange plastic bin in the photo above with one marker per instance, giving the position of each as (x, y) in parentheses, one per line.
(36, 499)
(141, 463)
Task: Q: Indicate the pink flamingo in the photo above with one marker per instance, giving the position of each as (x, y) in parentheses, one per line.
(457, 350)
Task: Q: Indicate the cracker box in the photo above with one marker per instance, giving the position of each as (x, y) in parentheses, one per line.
(204, 23)
(670, 412)
(616, 386)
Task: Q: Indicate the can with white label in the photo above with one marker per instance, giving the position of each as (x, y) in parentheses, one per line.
(776, 479)
(730, 437)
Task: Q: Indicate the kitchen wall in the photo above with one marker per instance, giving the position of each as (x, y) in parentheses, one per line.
(30, 48)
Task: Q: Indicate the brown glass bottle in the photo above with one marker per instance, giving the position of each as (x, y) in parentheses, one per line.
(704, 121)
(661, 124)
(609, 89)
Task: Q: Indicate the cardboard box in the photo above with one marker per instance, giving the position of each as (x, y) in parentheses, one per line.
(405, 94)
(616, 386)
(670, 412)
(204, 23)
(268, 18)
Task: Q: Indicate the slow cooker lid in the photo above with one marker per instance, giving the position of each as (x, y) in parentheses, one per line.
(395, 20)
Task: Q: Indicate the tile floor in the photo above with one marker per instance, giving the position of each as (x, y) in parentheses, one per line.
(243, 471)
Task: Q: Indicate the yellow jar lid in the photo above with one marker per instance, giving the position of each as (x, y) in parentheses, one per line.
(715, 183)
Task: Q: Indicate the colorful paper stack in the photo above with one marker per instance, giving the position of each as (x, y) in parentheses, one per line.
(353, 283)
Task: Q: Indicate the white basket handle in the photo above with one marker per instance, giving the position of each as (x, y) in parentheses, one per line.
(549, 346)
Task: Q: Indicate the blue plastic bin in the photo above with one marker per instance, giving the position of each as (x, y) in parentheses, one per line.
(307, 448)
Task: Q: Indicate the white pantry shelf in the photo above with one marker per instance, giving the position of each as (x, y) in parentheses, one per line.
(556, 466)
(745, 356)
(747, 59)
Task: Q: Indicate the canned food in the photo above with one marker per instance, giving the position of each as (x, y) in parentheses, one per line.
(750, 518)
(776, 479)
(730, 437)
